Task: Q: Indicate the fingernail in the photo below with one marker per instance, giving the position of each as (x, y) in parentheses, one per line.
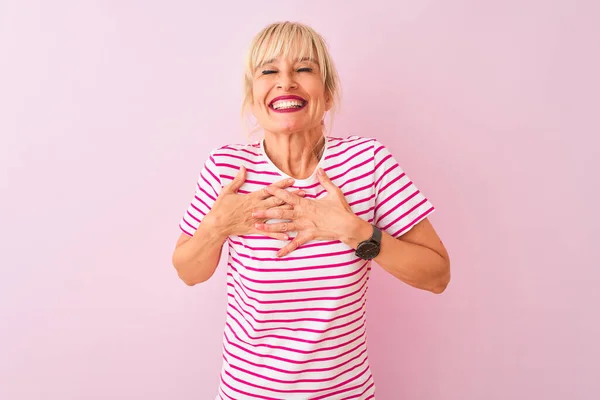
(290, 181)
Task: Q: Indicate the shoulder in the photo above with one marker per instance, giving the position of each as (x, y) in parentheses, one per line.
(366, 144)
(235, 153)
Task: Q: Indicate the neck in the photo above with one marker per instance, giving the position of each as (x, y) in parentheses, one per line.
(295, 154)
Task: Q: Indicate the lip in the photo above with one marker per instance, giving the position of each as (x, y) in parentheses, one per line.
(288, 97)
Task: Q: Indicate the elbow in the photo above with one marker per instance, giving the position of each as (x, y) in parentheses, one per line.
(188, 279)
(184, 274)
(442, 281)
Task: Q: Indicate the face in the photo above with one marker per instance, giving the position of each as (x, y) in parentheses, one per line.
(289, 95)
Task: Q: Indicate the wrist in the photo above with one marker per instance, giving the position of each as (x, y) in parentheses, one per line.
(357, 230)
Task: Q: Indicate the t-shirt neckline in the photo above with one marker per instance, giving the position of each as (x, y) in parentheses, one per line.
(297, 181)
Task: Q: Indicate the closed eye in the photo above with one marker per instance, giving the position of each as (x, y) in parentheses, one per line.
(268, 72)
(305, 69)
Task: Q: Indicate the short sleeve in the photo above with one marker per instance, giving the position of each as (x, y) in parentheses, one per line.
(207, 189)
(399, 204)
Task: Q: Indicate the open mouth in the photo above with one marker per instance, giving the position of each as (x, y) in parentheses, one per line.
(287, 103)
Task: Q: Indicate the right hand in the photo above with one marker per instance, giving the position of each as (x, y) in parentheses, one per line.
(232, 212)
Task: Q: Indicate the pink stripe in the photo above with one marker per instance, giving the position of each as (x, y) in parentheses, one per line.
(292, 350)
(203, 202)
(252, 171)
(390, 182)
(213, 175)
(328, 265)
(350, 158)
(287, 321)
(294, 310)
(381, 217)
(377, 166)
(379, 149)
(363, 392)
(351, 169)
(241, 149)
(365, 211)
(205, 192)
(384, 174)
(405, 214)
(370, 185)
(249, 181)
(286, 328)
(346, 389)
(312, 256)
(304, 246)
(349, 148)
(413, 222)
(188, 224)
(194, 218)
(254, 395)
(238, 285)
(302, 390)
(300, 371)
(240, 158)
(291, 339)
(296, 381)
(312, 289)
(318, 278)
(312, 360)
(184, 231)
(361, 200)
(371, 172)
(391, 196)
(342, 141)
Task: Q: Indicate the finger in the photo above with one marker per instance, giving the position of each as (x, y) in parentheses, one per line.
(282, 184)
(238, 181)
(273, 202)
(274, 235)
(291, 246)
(284, 207)
(299, 192)
(325, 181)
(276, 227)
(276, 213)
(284, 195)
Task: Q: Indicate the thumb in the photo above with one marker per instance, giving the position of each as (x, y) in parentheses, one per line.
(325, 181)
(239, 180)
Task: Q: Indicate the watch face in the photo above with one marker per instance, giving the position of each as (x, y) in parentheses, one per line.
(368, 250)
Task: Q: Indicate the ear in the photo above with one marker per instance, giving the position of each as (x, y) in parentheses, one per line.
(328, 101)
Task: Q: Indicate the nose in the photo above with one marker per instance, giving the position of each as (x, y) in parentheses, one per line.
(286, 81)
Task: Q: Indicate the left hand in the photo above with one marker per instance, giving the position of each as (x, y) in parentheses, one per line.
(319, 219)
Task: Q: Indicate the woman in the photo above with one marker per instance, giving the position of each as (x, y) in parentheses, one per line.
(303, 214)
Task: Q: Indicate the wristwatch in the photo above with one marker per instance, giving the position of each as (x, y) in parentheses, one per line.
(369, 249)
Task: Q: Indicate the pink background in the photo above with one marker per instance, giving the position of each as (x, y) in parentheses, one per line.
(108, 108)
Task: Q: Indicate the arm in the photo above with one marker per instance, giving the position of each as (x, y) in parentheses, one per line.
(196, 258)
(417, 258)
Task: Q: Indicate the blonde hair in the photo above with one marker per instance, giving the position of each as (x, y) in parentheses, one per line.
(291, 39)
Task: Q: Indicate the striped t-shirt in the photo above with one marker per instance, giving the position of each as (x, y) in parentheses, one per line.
(296, 325)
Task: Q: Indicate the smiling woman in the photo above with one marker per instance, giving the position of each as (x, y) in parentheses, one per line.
(296, 323)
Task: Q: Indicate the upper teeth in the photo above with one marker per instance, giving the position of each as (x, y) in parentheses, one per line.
(278, 105)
